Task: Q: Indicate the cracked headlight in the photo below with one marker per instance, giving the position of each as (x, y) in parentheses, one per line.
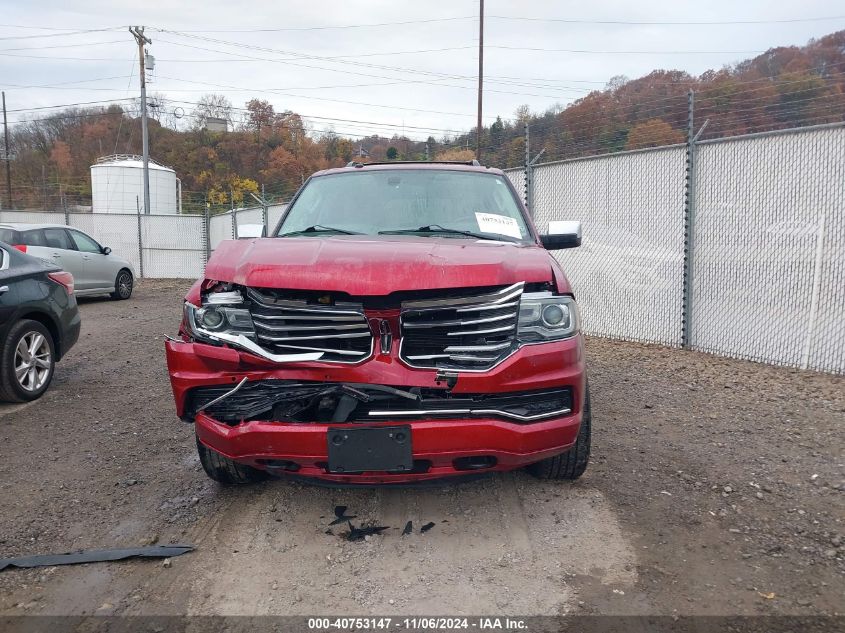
(546, 317)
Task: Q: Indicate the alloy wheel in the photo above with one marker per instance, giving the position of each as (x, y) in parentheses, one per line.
(33, 361)
(124, 285)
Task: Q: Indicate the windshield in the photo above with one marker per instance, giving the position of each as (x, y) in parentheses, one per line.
(424, 201)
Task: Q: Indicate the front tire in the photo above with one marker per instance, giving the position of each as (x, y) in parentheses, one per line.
(27, 363)
(227, 471)
(572, 464)
(123, 285)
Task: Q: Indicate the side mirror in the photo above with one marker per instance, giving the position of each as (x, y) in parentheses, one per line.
(250, 231)
(562, 234)
(106, 250)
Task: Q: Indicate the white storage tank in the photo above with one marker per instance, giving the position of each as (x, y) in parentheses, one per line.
(117, 186)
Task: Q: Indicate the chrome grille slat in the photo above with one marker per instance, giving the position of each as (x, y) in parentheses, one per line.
(460, 323)
(487, 331)
(340, 331)
(342, 352)
(310, 328)
(435, 334)
(264, 337)
(489, 307)
(301, 317)
(477, 348)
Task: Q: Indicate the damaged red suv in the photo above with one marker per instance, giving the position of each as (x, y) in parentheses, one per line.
(404, 322)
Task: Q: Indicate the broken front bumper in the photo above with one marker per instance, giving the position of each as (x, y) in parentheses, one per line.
(445, 442)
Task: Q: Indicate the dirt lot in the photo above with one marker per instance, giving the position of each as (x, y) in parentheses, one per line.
(716, 487)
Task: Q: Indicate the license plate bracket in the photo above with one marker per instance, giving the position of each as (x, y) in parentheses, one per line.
(376, 448)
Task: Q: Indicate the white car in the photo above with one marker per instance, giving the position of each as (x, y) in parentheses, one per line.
(95, 269)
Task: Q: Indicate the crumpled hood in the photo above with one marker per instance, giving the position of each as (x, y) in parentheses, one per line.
(378, 265)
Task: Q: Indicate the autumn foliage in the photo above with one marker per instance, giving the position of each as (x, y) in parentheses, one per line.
(784, 87)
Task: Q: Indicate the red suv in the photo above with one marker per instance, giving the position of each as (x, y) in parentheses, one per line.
(404, 322)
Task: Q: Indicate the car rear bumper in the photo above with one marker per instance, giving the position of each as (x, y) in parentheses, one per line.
(70, 323)
(441, 447)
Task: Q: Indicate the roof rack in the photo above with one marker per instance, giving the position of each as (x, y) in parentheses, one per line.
(471, 163)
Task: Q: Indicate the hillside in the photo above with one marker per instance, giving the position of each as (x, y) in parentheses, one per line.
(784, 87)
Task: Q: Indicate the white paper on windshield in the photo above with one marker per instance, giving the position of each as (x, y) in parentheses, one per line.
(499, 224)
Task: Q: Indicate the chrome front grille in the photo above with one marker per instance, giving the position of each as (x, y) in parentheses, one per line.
(284, 326)
(463, 333)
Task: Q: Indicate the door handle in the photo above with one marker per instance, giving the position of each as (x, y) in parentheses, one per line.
(4, 289)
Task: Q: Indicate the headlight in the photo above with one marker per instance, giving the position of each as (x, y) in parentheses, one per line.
(216, 320)
(546, 317)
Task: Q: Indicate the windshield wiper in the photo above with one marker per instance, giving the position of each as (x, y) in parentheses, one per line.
(436, 228)
(319, 228)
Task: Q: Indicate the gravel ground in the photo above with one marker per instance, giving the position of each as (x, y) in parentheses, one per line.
(716, 487)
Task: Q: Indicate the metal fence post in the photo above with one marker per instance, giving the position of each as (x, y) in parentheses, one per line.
(140, 245)
(527, 185)
(206, 229)
(265, 211)
(67, 213)
(689, 225)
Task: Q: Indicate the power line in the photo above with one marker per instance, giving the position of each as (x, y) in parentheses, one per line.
(42, 48)
(70, 105)
(440, 76)
(666, 23)
(64, 34)
(606, 52)
(323, 28)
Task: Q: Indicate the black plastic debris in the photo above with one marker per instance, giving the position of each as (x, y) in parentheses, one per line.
(341, 516)
(409, 527)
(426, 527)
(358, 534)
(95, 556)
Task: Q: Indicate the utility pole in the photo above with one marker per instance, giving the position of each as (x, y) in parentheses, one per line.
(138, 33)
(7, 157)
(480, 78)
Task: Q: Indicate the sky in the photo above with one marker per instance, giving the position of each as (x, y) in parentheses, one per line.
(378, 66)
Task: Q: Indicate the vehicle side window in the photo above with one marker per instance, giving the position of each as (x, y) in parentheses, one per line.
(57, 238)
(85, 243)
(33, 238)
(10, 236)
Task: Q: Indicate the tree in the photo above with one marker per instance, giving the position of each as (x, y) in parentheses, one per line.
(212, 106)
(456, 154)
(392, 153)
(653, 133)
(497, 132)
(522, 114)
(260, 114)
(60, 156)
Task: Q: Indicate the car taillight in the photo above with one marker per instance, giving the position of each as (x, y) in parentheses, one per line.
(20, 247)
(64, 279)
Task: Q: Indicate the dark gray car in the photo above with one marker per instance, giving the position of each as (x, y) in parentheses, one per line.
(39, 323)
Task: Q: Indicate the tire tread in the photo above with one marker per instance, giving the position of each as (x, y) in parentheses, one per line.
(572, 464)
(8, 393)
(224, 470)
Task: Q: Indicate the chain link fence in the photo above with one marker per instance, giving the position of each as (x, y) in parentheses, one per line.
(157, 246)
(758, 221)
